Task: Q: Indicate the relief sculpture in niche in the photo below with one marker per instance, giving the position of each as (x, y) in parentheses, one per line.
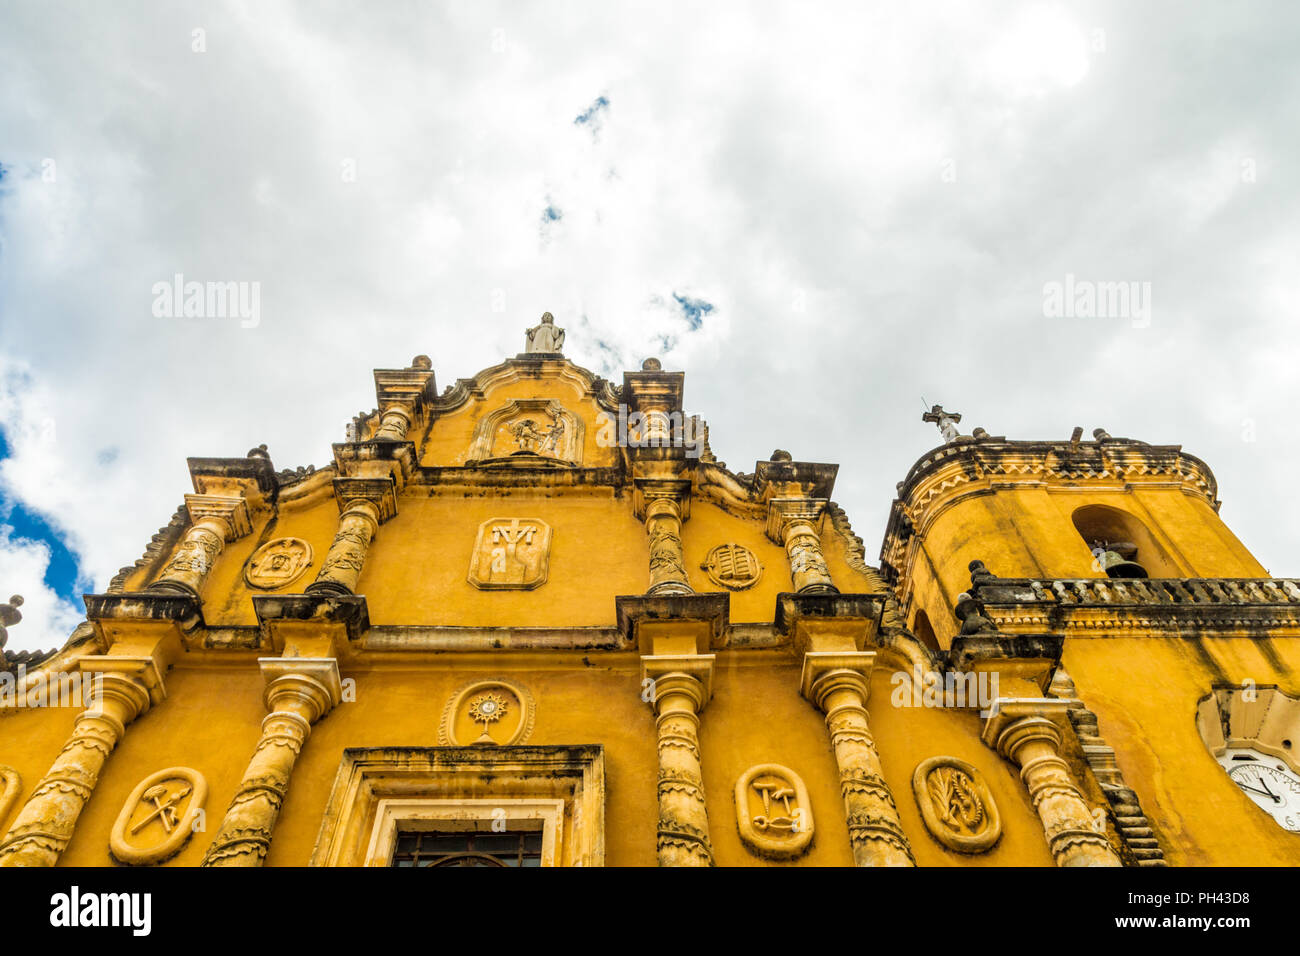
(278, 563)
(956, 805)
(491, 712)
(773, 813)
(510, 554)
(158, 817)
(527, 432)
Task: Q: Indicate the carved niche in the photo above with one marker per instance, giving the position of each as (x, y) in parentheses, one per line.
(158, 817)
(487, 712)
(733, 566)
(510, 554)
(773, 812)
(956, 805)
(528, 431)
(278, 563)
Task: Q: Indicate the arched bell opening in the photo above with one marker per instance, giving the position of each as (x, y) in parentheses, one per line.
(1121, 544)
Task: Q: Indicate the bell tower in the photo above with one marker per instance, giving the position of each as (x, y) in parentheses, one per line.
(1110, 508)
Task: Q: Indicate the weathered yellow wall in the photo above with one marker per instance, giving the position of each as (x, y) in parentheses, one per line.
(213, 713)
(1145, 693)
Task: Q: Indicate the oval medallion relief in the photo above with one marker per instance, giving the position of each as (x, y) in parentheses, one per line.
(956, 805)
(278, 563)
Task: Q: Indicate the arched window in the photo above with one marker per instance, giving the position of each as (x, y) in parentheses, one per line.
(1121, 543)
(924, 631)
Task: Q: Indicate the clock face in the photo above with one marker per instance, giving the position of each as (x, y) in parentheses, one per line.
(1273, 786)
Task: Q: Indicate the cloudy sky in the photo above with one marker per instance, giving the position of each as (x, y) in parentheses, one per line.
(822, 213)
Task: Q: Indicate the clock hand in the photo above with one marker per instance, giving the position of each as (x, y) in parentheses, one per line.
(1257, 790)
(1260, 781)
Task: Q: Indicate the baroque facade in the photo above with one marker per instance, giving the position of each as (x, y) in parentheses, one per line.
(531, 621)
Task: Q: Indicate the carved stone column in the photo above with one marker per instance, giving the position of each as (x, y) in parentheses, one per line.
(339, 572)
(394, 422)
(681, 686)
(123, 689)
(837, 684)
(299, 692)
(215, 519)
(663, 523)
(1023, 732)
(795, 523)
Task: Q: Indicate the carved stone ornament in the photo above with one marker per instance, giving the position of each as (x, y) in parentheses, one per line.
(510, 554)
(491, 712)
(278, 563)
(528, 432)
(158, 817)
(773, 812)
(733, 566)
(956, 805)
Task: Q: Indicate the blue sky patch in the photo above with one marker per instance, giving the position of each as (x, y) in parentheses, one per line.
(693, 309)
(593, 116)
(62, 573)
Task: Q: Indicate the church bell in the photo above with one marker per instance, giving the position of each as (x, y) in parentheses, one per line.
(1117, 561)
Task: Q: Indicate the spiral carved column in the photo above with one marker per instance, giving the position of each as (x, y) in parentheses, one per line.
(663, 523)
(1033, 743)
(216, 520)
(341, 569)
(45, 825)
(677, 697)
(794, 524)
(394, 422)
(837, 684)
(299, 692)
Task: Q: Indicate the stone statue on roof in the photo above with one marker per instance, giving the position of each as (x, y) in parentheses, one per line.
(545, 337)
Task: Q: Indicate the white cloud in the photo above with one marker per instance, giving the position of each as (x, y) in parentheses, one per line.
(47, 618)
(787, 164)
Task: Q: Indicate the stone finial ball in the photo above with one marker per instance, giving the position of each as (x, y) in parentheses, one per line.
(651, 365)
(16, 600)
(422, 362)
(782, 455)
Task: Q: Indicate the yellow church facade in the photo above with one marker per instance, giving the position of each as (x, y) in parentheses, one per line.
(530, 620)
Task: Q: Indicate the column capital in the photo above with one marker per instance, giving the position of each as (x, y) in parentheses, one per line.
(783, 512)
(310, 686)
(674, 623)
(689, 674)
(135, 682)
(380, 494)
(282, 616)
(654, 390)
(377, 459)
(413, 388)
(782, 477)
(652, 496)
(825, 672)
(229, 513)
(1014, 720)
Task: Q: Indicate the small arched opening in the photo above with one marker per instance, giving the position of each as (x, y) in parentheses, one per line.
(924, 631)
(1121, 544)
